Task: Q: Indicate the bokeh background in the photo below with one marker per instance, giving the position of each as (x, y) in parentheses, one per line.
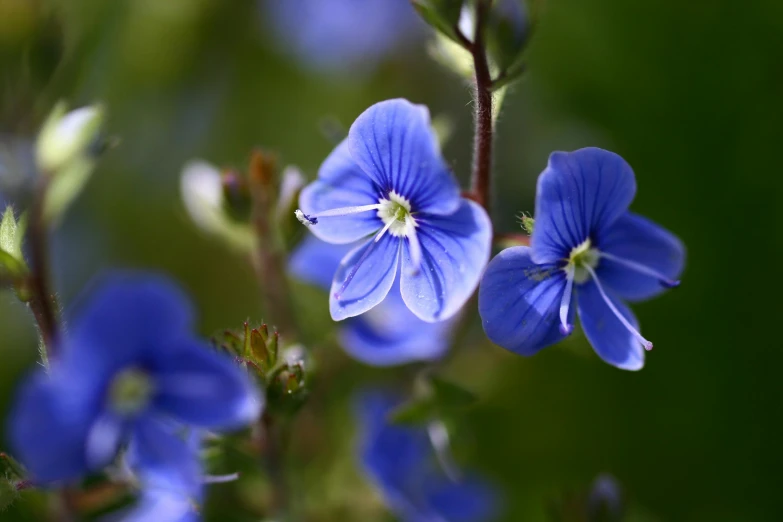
(690, 93)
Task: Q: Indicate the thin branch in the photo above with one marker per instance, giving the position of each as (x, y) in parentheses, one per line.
(482, 155)
(43, 303)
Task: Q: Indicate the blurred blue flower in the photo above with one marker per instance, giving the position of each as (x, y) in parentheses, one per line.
(387, 335)
(129, 365)
(586, 242)
(387, 185)
(403, 464)
(168, 468)
(343, 35)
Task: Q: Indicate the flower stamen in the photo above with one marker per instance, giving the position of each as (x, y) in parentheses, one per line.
(312, 219)
(338, 294)
(565, 301)
(664, 281)
(647, 344)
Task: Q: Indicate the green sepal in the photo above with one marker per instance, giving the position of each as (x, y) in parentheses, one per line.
(8, 493)
(12, 232)
(442, 15)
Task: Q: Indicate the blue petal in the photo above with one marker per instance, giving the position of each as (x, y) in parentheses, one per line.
(639, 240)
(369, 270)
(315, 261)
(127, 319)
(390, 334)
(609, 338)
(160, 506)
(341, 183)
(49, 426)
(393, 143)
(455, 250)
(519, 301)
(165, 457)
(469, 500)
(579, 195)
(197, 385)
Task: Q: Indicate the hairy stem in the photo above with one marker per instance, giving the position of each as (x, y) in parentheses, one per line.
(482, 152)
(43, 302)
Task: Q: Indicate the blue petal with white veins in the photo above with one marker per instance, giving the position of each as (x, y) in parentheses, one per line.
(639, 240)
(364, 277)
(341, 183)
(394, 144)
(519, 301)
(454, 251)
(579, 195)
(610, 339)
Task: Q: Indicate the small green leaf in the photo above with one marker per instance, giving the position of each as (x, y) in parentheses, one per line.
(450, 396)
(442, 15)
(506, 32)
(9, 466)
(528, 223)
(415, 412)
(67, 136)
(8, 493)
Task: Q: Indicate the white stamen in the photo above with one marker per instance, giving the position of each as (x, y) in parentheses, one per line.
(415, 245)
(383, 231)
(343, 211)
(439, 438)
(219, 479)
(647, 344)
(565, 300)
(633, 265)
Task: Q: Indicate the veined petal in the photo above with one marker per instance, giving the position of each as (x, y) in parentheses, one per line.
(610, 339)
(196, 385)
(639, 240)
(341, 183)
(364, 277)
(455, 249)
(519, 301)
(394, 144)
(48, 428)
(390, 334)
(126, 319)
(315, 261)
(579, 195)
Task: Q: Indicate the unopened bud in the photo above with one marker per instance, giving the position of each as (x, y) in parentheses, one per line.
(68, 136)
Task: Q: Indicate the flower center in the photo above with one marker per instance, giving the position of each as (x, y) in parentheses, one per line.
(582, 257)
(395, 213)
(130, 391)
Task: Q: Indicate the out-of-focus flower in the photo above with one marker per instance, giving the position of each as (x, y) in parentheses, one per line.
(388, 186)
(204, 196)
(342, 35)
(584, 242)
(167, 467)
(389, 334)
(403, 464)
(128, 365)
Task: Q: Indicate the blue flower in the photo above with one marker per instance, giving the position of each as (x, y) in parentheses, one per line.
(168, 468)
(389, 334)
(343, 35)
(388, 186)
(129, 365)
(585, 242)
(403, 464)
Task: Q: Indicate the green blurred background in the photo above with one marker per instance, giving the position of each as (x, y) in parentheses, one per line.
(690, 93)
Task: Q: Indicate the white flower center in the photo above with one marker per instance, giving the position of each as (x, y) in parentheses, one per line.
(130, 391)
(581, 257)
(395, 213)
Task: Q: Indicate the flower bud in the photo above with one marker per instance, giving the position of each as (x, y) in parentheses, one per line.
(67, 136)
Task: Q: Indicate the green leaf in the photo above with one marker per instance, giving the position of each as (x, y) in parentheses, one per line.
(415, 412)
(506, 32)
(8, 493)
(450, 396)
(442, 15)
